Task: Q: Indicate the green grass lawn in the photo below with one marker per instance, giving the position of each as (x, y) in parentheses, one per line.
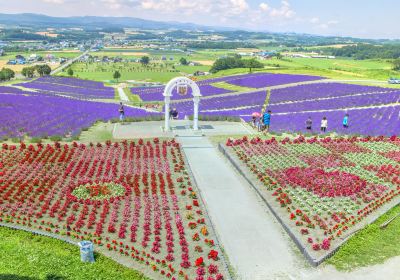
(27, 256)
(132, 71)
(370, 246)
(231, 87)
(334, 68)
(132, 97)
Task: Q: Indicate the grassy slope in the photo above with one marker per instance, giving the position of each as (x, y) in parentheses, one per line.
(27, 255)
(371, 245)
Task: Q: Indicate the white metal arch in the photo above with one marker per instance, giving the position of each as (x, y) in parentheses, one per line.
(174, 83)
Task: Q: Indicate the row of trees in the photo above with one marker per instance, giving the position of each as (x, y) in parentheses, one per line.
(41, 70)
(235, 61)
(396, 64)
(6, 74)
(367, 51)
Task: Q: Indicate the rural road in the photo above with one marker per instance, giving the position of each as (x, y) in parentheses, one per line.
(68, 63)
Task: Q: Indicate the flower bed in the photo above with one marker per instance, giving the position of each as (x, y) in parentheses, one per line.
(322, 190)
(133, 200)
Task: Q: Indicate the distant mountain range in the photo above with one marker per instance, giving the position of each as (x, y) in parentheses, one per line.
(37, 20)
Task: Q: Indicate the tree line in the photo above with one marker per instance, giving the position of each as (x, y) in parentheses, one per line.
(235, 61)
(41, 70)
(367, 51)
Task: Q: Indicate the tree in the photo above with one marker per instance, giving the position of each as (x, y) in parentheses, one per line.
(117, 75)
(252, 63)
(28, 72)
(279, 56)
(396, 64)
(144, 60)
(183, 61)
(43, 69)
(70, 72)
(6, 74)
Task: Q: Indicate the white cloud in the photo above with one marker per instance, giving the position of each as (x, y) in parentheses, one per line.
(264, 6)
(54, 1)
(284, 11)
(332, 22)
(314, 20)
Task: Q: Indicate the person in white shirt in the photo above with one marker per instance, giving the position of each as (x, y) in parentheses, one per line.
(324, 124)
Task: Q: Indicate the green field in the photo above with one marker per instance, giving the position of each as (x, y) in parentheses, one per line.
(27, 256)
(370, 246)
(132, 71)
(334, 68)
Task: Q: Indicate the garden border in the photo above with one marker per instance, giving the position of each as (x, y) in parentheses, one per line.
(207, 216)
(313, 261)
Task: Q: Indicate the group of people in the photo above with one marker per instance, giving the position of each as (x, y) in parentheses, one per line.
(173, 113)
(263, 123)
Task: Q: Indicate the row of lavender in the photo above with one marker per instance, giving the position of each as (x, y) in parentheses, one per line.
(293, 105)
(70, 87)
(256, 80)
(39, 115)
(149, 94)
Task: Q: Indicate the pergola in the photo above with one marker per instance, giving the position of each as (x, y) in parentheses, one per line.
(182, 82)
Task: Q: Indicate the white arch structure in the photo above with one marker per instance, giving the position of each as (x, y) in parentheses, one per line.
(174, 83)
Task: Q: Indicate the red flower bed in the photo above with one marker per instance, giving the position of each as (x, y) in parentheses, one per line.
(323, 188)
(324, 183)
(125, 197)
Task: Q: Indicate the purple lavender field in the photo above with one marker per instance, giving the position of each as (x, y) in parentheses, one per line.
(156, 93)
(260, 80)
(70, 87)
(372, 110)
(256, 80)
(41, 115)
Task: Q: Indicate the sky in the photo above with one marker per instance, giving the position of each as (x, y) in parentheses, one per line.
(357, 18)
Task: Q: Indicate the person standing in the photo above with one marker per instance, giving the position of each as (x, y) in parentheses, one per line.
(267, 120)
(309, 124)
(324, 124)
(346, 121)
(121, 111)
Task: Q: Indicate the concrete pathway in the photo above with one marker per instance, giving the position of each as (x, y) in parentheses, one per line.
(257, 248)
(256, 245)
(122, 95)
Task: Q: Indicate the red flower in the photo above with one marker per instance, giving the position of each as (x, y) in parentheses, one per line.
(199, 262)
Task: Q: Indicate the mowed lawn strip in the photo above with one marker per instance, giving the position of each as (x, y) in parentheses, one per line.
(24, 254)
(370, 246)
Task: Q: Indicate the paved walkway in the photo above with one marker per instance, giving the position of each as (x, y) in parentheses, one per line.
(256, 246)
(122, 95)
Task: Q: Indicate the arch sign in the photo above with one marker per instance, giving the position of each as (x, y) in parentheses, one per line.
(182, 84)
